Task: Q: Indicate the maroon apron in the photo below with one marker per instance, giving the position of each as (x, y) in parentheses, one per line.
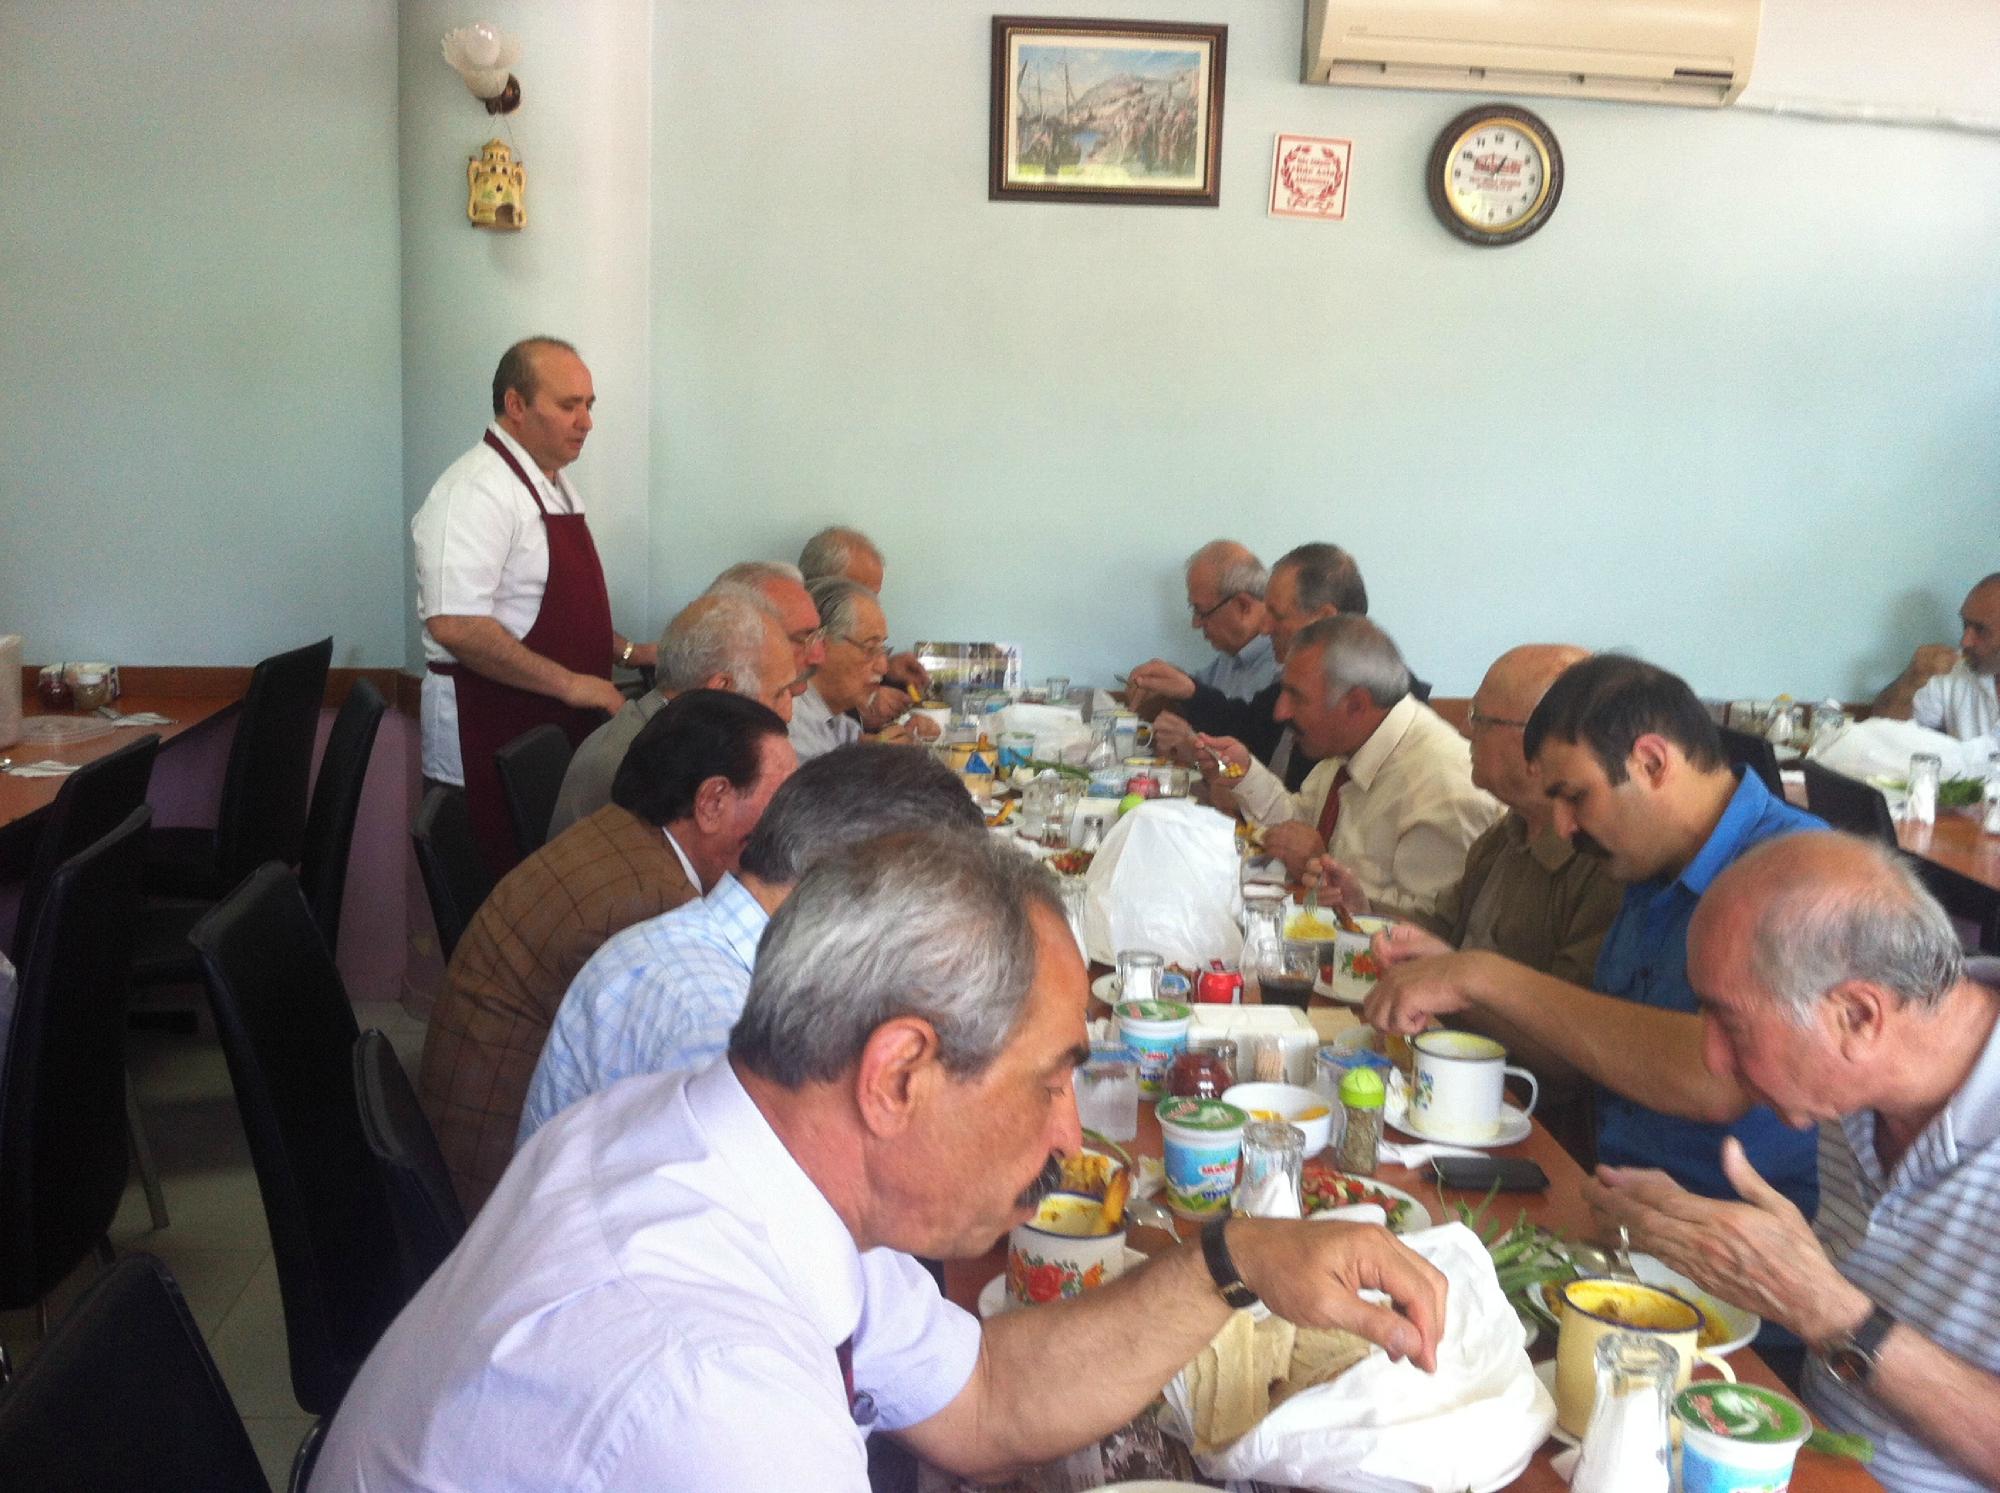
(573, 628)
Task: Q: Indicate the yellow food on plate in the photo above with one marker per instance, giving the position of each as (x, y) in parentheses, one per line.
(1273, 1116)
(1307, 926)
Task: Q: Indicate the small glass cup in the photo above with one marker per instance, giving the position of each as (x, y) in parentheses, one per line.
(1224, 1049)
(1926, 769)
(1058, 688)
(1107, 1093)
(1991, 823)
(1274, 1156)
(1139, 974)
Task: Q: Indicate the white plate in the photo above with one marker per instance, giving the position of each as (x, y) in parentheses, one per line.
(993, 1297)
(1515, 1127)
(1739, 1325)
(1415, 1215)
(1546, 1372)
(1105, 987)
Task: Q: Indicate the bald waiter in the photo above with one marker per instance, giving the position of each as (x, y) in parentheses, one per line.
(517, 622)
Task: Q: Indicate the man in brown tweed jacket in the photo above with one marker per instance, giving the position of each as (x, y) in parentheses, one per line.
(689, 792)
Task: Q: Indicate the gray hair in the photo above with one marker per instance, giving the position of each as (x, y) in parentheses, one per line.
(1238, 572)
(831, 551)
(837, 600)
(1325, 575)
(934, 924)
(853, 793)
(719, 632)
(1359, 655)
(756, 572)
(1813, 935)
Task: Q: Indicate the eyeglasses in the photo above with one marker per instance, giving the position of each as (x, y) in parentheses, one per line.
(1477, 718)
(1203, 614)
(878, 645)
(807, 638)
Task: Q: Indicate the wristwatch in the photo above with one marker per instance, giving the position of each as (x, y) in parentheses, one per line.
(1221, 1269)
(1851, 1358)
(626, 656)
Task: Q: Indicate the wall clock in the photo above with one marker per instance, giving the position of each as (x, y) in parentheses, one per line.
(1495, 175)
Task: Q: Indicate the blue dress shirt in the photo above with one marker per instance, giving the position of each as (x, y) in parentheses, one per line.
(1240, 675)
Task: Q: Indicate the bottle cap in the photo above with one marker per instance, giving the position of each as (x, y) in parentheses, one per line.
(1362, 1088)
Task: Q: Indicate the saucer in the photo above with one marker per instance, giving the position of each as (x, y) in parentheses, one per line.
(1546, 1372)
(993, 1297)
(1515, 1127)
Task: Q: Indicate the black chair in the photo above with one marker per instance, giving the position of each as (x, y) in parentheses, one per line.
(262, 814)
(456, 879)
(62, 1102)
(1848, 803)
(124, 1397)
(336, 802)
(1755, 754)
(531, 777)
(288, 1034)
(429, 1220)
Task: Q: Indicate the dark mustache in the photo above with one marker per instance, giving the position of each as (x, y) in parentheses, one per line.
(1582, 841)
(1047, 1180)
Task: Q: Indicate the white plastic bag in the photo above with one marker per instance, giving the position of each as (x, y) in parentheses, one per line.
(1880, 748)
(1165, 880)
(1387, 1427)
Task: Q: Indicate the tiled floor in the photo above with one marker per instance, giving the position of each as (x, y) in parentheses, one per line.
(217, 1245)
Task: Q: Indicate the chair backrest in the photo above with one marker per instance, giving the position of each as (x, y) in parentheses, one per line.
(263, 812)
(455, 874)
(1848, 803)
(93, 801)
(429, 1220)
(62, 1083)
(287, 1031)
(124, 1396)
(336, 800)
(531, 777)
(1755, 754)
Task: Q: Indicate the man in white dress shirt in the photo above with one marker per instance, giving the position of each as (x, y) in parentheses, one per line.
(517, 625)
(1952, 691)
(1392, 799)
(705, 1281)
(1832, 987)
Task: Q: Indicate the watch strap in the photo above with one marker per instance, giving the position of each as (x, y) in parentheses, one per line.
(1852, 1358)
(1221, 1268)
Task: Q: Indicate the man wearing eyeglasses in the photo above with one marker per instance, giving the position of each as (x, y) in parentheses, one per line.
(1225, 596)
(784, 587)
(857, 651)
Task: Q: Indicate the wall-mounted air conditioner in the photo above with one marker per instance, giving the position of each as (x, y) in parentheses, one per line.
(1639, 51)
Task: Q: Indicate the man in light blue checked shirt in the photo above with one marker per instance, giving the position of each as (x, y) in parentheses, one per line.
(663, 994)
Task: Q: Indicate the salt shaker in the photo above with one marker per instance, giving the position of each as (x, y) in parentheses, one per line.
(1274, 1157)
(1625, 1448)
(1926, 769)
(1362, 1094)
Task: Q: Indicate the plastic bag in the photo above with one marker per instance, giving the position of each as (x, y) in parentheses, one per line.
(1165, 879)
(1388, 1427)
(1881, 748)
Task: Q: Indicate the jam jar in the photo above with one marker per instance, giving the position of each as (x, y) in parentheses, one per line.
(1199, 1073)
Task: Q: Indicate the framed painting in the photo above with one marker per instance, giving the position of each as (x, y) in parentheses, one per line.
(1106, 111)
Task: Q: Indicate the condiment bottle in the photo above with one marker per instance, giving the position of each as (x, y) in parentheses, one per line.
(1199, 1073)
(1625, 1448)
(1362, 1094)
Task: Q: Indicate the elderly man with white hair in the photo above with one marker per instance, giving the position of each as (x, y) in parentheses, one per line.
(1831, 987)
(728, 639)
(1225, 597)
(832, 711)
(844, 554)
(1392, 799)
(783, 588)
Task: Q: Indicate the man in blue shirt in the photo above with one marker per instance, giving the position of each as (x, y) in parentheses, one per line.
(1634, 771)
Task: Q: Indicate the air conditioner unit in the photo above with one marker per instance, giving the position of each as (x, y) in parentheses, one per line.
(1640, 51)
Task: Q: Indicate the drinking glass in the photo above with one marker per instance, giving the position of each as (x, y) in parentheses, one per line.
(1139, 974)
(1058, 687)
(1926, 768)
(1107, 1093)
(1274, 1155)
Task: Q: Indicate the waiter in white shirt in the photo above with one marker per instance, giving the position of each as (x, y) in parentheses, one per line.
(517, 622)
(1952, 691)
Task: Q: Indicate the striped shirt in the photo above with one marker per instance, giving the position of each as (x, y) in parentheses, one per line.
(1919, 1241)
(659, 997)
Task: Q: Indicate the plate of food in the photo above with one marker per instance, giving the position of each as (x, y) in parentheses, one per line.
(1070, 862)
(1724, 1328)
(1322, 1188)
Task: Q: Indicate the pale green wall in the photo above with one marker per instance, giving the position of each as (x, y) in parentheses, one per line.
(200, 399)
(1736, 406)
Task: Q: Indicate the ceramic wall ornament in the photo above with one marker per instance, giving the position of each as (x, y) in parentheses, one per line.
(496, 188)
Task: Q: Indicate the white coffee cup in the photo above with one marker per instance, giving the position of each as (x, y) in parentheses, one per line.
(1460, 1082)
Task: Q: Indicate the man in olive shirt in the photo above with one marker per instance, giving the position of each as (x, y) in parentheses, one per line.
(1526, 892)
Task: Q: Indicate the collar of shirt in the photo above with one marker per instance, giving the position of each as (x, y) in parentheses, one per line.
(1382, 743)
(1969, 1121)
(1731, 835)
(739, 917)
(1253, 653)
(552, 488)
(687, 866)
(808, 1241)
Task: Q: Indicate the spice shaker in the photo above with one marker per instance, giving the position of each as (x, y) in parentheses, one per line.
(1362, 1094)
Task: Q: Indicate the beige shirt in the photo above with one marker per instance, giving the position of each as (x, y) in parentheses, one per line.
(1408, 810)
(1534, 898)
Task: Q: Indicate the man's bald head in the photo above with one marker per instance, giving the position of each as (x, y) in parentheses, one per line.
(1808, 912)
(1506, 697)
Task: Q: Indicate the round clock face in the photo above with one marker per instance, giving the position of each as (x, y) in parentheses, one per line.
(1495, 175)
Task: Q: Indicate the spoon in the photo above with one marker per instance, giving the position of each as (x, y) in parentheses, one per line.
(1149, 1214)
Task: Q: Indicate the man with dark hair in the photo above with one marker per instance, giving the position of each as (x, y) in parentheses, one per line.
(704, 1280)
(1634, 770)
(517, 623)
(1953, 691)
(693, 783)
(1392, 800)
(663, 994)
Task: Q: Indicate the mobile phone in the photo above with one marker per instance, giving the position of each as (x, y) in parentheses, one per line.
(1480, 1173)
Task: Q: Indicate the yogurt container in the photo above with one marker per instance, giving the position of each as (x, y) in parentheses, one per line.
(1154, 1031)
(1737, 1438)
(1203, 1140)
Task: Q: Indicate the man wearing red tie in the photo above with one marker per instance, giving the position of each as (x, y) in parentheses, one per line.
(517, 623)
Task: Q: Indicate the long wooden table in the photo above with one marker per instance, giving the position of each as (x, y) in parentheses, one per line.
(23, 801)
(1561, 1208)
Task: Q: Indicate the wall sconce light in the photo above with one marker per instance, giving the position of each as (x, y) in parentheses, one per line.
(482, 55)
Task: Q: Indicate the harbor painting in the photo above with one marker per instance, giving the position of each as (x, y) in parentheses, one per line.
(1106, 111)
